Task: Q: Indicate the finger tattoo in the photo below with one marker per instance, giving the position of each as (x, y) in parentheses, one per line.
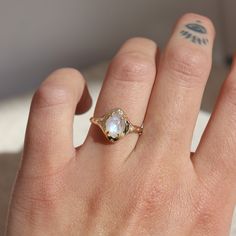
(195, 33)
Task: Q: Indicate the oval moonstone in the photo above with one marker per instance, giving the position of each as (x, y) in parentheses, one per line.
(115, 125)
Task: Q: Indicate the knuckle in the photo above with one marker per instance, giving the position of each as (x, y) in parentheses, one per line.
(54, 91)
(150, 197)
(201, 205)
(38, 195)
(188, 67)
(204, 202)
(132, 66)
(51, 95)
(205, 215)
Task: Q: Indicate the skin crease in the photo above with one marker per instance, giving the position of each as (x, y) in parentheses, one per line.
(147, 185)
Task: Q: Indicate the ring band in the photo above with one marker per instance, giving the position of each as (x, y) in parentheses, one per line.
(115, 125)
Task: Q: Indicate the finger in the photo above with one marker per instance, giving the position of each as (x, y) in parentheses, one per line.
(215, 157)
(176, 97)
(48, 141)
(127, 86)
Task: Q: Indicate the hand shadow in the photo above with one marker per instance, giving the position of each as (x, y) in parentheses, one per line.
(9, 163)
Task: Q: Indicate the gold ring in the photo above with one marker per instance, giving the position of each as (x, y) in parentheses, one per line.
(115, 125)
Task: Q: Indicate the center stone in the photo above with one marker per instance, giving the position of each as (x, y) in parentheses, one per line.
(115, 125)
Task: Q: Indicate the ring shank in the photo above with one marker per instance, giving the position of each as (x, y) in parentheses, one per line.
(137, 129)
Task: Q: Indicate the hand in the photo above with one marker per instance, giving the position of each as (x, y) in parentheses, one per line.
(141, 185)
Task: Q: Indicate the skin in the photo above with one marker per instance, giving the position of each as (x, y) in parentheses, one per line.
(141, 185)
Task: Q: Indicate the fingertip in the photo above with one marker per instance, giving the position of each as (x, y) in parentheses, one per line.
(200, 19)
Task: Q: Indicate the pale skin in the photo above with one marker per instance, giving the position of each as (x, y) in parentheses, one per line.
(141, 185)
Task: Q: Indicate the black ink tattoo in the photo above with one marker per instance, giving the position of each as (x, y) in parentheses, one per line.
(197, 28)
(195, 32)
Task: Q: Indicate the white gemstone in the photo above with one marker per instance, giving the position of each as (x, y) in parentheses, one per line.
(115, 125)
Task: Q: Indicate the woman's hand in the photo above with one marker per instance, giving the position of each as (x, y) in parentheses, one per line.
(141, 185)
